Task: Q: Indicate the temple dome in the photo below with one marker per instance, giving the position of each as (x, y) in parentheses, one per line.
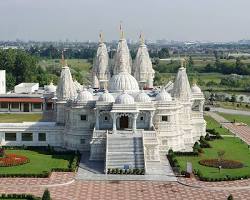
(51, 88)
(142, 97)
(84, 96)
(163, 96)
(123, 81)
(195, 89)
(124, 98)
(106, 97)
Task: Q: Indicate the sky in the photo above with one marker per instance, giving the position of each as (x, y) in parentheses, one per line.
(82, 20)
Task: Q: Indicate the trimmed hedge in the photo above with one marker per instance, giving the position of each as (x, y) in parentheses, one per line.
(19, 196)
(135, 171)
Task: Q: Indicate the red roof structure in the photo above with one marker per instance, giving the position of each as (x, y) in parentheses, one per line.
(22, 100)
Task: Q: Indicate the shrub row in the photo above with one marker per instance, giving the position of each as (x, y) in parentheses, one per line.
(226, 178)
(135, 171)
(173, 161)
(19, 196)
(43, 149)
(204, 143)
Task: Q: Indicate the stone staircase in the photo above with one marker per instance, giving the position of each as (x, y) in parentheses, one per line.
(124, 149)
(157, 163)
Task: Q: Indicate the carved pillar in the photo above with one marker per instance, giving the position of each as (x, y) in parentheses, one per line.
(97, 119)
(151, 119)
(134, 121)
(201, 106)
(114, 121)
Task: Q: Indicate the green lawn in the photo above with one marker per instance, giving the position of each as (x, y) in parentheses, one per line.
(17, 118)
(238, 118)
(235, 106)
(39, 162)
(212, 124)
(235, 150)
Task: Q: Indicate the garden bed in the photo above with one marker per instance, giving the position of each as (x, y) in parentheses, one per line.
(223, 164)
(10, 160)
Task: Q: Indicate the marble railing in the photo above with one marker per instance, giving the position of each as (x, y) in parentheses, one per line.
(197, 115)
(99, 133)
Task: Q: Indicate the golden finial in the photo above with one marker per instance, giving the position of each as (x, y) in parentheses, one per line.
(194, 81)
(101, 37)
(142, 41)
(121, 31)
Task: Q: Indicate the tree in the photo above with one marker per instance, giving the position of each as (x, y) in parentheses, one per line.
(190, 64)
(230, 197)
(46, 195)
(164, 53)
(233, 98)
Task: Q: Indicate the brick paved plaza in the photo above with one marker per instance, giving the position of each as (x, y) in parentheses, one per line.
(63, 186)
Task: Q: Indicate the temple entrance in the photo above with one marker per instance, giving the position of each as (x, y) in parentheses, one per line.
(123, 122)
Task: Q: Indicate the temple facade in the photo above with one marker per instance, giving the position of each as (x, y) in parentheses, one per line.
(123, 119)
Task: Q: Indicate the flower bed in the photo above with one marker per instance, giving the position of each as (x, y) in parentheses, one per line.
(225, 164)
(13, 160)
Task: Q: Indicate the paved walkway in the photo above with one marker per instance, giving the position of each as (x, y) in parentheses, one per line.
(230, 111)
(64, 187)
(242, 132)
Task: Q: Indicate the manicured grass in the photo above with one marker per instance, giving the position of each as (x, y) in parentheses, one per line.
(238, 118)
(212, 124)
(39, 162)
(18, 118)
(235, 150)
(235, 106)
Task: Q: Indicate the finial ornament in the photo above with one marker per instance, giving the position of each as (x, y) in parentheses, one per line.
(121, 31)
(142, 41)
(101, 37)
(182, 62)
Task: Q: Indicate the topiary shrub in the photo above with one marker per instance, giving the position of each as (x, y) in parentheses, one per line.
(46, 195)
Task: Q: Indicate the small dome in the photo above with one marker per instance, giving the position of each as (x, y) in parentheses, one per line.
(106, 97)
(195, 89)
(142, 97)
(163, 96)
(84, 96)
(124, 98)
(123, 81)
(51, 88)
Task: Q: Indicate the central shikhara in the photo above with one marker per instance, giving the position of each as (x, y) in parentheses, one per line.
(122, 119)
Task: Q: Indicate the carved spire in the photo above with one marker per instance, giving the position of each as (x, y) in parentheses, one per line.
(142, 40)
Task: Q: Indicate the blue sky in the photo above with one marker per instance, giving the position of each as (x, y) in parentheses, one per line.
(213, 20)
